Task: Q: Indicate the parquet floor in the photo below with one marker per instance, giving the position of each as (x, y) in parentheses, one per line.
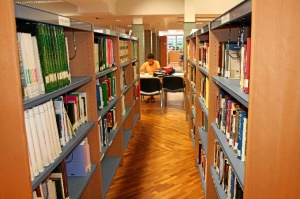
(159, 160)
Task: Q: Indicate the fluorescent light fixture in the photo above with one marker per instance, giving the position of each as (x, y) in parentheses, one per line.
(118, 20)
(40, 2)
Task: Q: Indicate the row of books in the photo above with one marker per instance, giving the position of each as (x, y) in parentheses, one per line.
(123, 51)
(107, 124)
(231, 118)
(226, 176)
(134, 49)
(204, 90)
(75, 105)
(203, 54)
(105, 90)
(234, 62)
(50, 126)
(103, 54)
(202, 161)
(123, 83)
(78, 163)
(43, 59)
(42, 137)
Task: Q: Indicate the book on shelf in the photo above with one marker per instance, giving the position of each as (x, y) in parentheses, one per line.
(111, 119)
(247, 66)
(42, 136)
(57, 178)
(232, 61)
(61, 172)
(96, 57)
(53, 56)
(28, 68)
(78, 162)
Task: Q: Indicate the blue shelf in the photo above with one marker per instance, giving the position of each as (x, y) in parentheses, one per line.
(237, 165)
(75, 83)
(203, 136)
(194, 63)
(105, 72)
(203, 31)
(34, 14)
(109, 166)
(220, 191)
(136, 118)
(77, 184)
(122, 65)
(202, 178)
(66, 150)
(124, 91)
(126, 137)
(111, 137)
(193, 139)
(124, 117)
(232, 87)
(203, 70)
(242, 10)
(104, 110)
(204, 109)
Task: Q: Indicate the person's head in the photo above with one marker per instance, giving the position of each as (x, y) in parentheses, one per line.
(150, 57)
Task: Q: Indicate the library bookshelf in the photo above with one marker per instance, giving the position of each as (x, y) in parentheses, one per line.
(271, 141)
(16, 169)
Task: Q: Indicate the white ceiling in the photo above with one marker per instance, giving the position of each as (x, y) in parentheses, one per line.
(157, 15)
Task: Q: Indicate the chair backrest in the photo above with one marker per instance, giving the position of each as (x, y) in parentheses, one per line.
(173, 83)
(150, 84)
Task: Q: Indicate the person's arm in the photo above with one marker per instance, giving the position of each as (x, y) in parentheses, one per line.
(143, 68)
(157, 65)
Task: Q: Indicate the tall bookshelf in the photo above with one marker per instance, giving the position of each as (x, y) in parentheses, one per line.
(271, 137)
(14, 149)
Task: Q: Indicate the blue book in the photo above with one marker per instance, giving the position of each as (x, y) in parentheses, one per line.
(76, 165)
(242, 115)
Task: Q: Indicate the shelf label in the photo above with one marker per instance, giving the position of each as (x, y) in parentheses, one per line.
(64, 21)
(225, 18)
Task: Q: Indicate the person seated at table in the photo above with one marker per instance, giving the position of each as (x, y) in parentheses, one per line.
(149, 67)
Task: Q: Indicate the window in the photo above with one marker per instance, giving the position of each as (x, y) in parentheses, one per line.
(175, 42)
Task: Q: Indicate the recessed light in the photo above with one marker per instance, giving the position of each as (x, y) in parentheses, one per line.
(118, 20)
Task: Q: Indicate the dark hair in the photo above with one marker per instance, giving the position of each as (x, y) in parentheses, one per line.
(150, 56)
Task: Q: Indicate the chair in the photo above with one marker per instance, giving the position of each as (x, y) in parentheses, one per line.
(173, 84)
(151, 86)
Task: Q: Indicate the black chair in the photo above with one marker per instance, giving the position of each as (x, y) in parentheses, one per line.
(173, 84)
(151, 86)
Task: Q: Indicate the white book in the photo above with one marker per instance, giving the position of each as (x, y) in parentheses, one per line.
(41, 136)
(123, 105)
(50, 131)
(35, 139)
(52, 128)
(46, 130)
(32, 157)
(54, 124)
(59, 110)
(58, 177)
(29, 64)
(243, 155)
(51, 189)
(38, 65)
(82, 105)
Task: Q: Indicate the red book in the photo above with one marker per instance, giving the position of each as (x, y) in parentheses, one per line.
(247, 68)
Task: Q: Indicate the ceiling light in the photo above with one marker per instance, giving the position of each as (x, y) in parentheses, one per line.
(118, 20)
(40, 2)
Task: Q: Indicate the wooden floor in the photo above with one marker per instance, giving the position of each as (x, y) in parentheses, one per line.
(159, 160)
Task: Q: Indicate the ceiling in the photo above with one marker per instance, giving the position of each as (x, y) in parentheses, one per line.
(156, 15)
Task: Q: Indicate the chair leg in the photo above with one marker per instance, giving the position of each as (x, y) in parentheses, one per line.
(166, 98)
(161, 102)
